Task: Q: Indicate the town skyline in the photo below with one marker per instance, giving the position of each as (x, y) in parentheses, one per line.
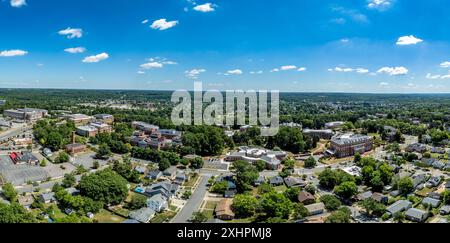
(360, 46)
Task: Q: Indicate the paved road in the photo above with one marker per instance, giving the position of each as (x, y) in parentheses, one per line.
(14, 132)
(194, 203)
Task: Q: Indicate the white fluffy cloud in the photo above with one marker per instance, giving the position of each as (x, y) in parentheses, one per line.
(348, 70)
(408, 40)
(445, 64)
(379, 4)
(18, 3)
(194, 73)
(384, 84)
(163, 24)
(144, 21)
(234, 72)
(151, 65)
(156, 62)
(96, 58)
(256, 72)
(207, 7)
(430, 76)
(71, 33)
(13, 53)
(288, 68)
(393, 71)
(75, 50)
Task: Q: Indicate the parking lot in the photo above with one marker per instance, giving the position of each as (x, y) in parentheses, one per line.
(20, 174)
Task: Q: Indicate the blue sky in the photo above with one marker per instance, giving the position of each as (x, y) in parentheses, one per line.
(288, 45)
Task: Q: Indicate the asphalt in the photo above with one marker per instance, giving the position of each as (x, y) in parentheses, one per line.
(194, 203)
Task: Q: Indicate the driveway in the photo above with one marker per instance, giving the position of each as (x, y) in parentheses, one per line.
(194, 203)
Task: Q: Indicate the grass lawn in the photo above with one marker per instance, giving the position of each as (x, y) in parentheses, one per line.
(424, 192)
(107, 217)
(208, 213)
(122, 212)
(162, 217)
(332, 161)
(281, 188)
(211, 205)
(191, 181)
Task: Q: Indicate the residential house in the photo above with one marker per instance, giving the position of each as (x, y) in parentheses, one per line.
(143, 215)
(399, 206)
(181, 177)
(433, 182)
(431, 201)
(170, 172)
(380, 198)
(47, 197)
(315, 209)
(417, 148)
(294, 182)
(157, 203)
(416, 215)
(276, 181)
(223, 210)
(154, 175)
(445, 210)
(363, 196)
(165, 188)
(261, 179)
(306, 198)
(140, 169)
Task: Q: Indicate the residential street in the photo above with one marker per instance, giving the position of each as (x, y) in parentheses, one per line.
(194, 203)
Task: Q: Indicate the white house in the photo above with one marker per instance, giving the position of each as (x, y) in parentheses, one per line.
(158, 203)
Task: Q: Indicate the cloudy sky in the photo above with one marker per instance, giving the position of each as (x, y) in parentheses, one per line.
(288, 45)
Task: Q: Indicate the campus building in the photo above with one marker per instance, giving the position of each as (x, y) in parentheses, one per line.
(79, 119)
(27, 114)
(349, 144)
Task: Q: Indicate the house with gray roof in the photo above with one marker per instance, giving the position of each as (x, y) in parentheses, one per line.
(431, 201)
(294, 182)
(170, 172)
(445, 210)
(315, 209)
(47, 197)
(154, 175)
(276, 181)
(143, 215)
(157, 203)
(399, 206)
(416, 215)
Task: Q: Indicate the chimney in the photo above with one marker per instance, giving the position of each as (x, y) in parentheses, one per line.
(73, 138)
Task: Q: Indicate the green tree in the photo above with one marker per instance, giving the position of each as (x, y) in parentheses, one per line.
(106, 186)
(346, 190)
(103, 151)
(405, 185)
(310, 162)
(244, 205)
(43, 163)
(198, 217)
(260, 165)
(63, 157)
(164, 164)
(373, 207)
(292, 194)
(246, 174)
(340, 216)
(331, 202)
(69, 180)
(10, 192)
(137, 201)
(446, 197)
(220, 187)
(14, 214)
(96, 165)
(197, 163)
(300, 211)
(276, 205)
